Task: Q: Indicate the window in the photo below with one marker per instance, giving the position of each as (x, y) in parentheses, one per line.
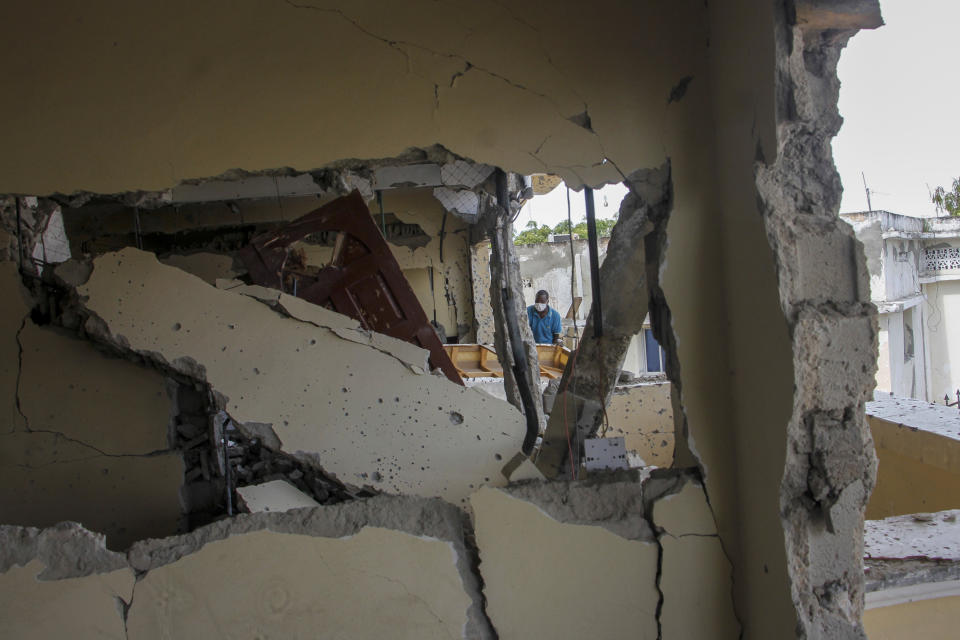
(654, 352)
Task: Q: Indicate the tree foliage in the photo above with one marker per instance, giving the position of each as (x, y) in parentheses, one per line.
(537, 234)
(947, 201)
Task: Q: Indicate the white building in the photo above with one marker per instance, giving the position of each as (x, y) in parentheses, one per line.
(914, 266)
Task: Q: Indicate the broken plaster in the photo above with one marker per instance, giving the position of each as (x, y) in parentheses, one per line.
(635, 543)
(361, 415)
(352, 569)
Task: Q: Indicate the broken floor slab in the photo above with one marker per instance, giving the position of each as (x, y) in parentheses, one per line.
(933, 536)
(355, 409)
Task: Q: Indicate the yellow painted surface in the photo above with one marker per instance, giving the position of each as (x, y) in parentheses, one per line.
(13, 311)
(696, 574)
(685, 513)
(363, 411)
(936, 619)
(519, 542)
(68, 387)
(82, 608)
(93, 419)
(643, 416)
(697, 590)
(740, 440)
(375, 584)
(206, 266)
(917, 471)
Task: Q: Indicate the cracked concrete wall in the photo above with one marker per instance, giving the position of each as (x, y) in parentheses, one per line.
(85, 436)
(391, 567)
(452, 79)
(360, 405)
(648, 551)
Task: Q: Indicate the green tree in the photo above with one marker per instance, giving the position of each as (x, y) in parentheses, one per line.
(534, 234)
(948, 201)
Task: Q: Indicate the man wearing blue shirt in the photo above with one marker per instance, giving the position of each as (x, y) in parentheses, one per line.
(544, 321)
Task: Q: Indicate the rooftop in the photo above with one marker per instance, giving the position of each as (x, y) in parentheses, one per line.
(918, 415)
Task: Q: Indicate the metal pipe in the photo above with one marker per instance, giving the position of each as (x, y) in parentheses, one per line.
(594, 263)
(520, 368)
(573, 271)
(19, 236)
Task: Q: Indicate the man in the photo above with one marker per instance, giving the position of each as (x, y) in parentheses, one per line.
(544, 321)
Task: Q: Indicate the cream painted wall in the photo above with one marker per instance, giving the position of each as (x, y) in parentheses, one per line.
(941, 310)
(937, 618)
(756, 345)
(917, 471)
(261, 85)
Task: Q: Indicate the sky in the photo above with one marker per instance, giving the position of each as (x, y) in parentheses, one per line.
(551, 208)
(900, 100)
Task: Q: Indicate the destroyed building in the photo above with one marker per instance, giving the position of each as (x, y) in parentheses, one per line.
(155, 387)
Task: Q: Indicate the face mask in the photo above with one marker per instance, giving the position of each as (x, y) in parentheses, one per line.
(540, 306)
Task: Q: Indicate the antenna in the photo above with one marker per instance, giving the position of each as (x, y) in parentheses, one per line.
(867, 189)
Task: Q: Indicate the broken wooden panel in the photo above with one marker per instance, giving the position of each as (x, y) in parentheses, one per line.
(481, 361)
(362, 280)
(475, 360)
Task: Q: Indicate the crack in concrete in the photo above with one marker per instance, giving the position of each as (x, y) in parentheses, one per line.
(410, 593)
(723, 548)
(398, 44)
(16, 396)
(100, 452)
(657, 583)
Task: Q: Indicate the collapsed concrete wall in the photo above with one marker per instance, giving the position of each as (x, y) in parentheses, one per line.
(361, 406)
